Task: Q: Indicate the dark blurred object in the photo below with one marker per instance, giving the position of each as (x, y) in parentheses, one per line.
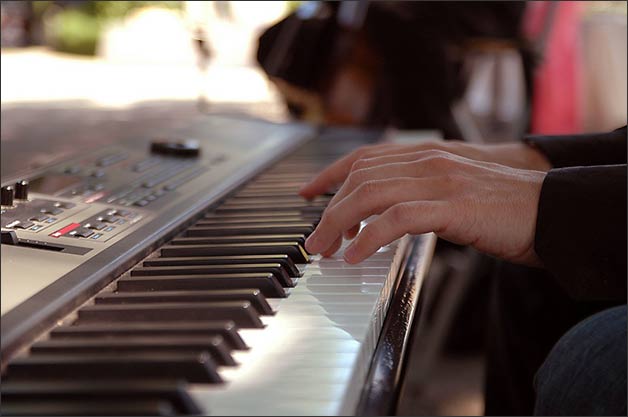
(402, 67)
(16, 29)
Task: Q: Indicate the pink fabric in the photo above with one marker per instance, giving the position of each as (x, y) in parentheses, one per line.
(556, 103)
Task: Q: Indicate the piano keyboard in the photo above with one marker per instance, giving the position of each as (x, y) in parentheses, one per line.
(230, 317)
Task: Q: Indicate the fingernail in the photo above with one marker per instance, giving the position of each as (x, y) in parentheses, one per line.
(349, 254)
(311, 243)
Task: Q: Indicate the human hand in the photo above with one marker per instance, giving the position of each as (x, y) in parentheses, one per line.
(515, 155)
(489, 206)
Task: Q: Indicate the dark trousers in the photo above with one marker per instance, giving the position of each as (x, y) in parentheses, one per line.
(529, 313)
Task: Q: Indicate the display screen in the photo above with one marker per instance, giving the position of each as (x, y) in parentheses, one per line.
(53, 183)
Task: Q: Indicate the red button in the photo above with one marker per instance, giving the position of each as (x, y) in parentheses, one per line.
(65, 230)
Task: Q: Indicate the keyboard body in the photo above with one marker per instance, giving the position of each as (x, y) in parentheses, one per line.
(139, 220)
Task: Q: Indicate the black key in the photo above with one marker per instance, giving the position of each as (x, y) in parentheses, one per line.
(266, 200)
(151, 407)
(276, 269)
(292, 249)
(216, 240)
(265, 282)
(103, 393)
(283, 260)
(251, 229)
(226, 329)
(215, 346)
(192, 368)
(254, 296)
(302, 207)
(252, 221)
(256, 214)
(241, 312)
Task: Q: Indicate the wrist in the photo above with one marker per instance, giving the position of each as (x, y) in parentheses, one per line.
(535, 159)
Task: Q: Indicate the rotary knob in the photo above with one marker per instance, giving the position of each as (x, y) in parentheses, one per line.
(21, 190)
(182, 148)
(6, 195)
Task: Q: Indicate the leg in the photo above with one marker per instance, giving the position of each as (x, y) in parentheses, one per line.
(528, 314)
(585, 373)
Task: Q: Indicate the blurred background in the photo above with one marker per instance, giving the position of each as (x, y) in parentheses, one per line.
(84, 73)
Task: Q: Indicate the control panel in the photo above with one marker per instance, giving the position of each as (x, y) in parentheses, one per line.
(86, 217)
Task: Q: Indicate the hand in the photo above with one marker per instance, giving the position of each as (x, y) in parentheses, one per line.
(516, 155)
(489, 206)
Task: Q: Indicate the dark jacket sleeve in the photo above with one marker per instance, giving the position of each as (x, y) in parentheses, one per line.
(581, 230)
(582, 150)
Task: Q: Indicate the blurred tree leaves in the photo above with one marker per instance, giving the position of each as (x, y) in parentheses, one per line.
(75, 26)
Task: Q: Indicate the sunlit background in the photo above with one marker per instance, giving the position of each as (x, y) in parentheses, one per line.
(116, 53)
(89, 71)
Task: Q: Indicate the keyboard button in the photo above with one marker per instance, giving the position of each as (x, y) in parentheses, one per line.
(96, 226)
(23, 224)
(51, 210)
(81, 232)
(108, 219)
(39, 218)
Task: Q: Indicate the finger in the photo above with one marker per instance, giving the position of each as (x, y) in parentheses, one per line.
(352, 232)
(413, 217)
(333, 248)
(370, 198)
(359, 177)
(337, 172)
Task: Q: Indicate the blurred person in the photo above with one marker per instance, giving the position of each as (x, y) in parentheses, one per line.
(401, 66)
(555, 205)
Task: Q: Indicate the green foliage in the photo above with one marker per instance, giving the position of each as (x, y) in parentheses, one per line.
(76, 29)
(75, 32)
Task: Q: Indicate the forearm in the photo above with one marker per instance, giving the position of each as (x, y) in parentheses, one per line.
(581, 230)
(582, 150)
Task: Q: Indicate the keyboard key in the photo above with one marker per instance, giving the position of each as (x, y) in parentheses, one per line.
(241, 312)
(250, 229)
(254, 296)
(215, 345)
(284, 260)
(292, 249)
(190, 367)
(226, 329)
(276, 269)
(239, 239)
(95, 393)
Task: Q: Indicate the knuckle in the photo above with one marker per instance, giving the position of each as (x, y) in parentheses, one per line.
(359, 164)
(367, 189)
(400, 213)
(355, 178)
